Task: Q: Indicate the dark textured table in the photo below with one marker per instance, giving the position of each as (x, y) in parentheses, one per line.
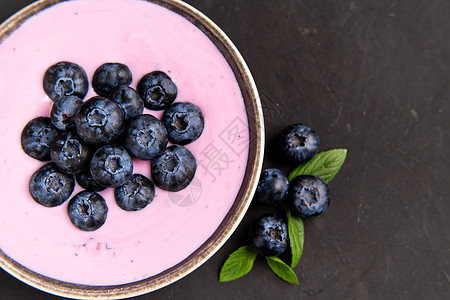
(370, 76)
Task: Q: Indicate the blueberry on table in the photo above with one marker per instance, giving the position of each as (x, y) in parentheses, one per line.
(49, 186)
(268, 235)
(130, 101)
(37, 137)
(109, 76)
(299, 143)
(145, 137)
(87, 182)
(111, 166)
(99, 121)
(65, 79)
(157, 90)
(308, 195)
(272, 187)
(87, 211)
(63, 110)
(174, 169)
(184, 122)
(135, 194)
(70, 154)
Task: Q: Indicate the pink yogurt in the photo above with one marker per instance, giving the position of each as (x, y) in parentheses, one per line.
(131, 245)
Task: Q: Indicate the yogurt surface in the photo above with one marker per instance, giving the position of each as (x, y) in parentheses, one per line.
(130, 246)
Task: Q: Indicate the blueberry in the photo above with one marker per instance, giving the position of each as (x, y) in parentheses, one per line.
(299, 143)
(272, 187)
(70, 154)
(130, 101)
(99, 121)
(308, 195)
(174, 169)
(65, 79)
(109, 76)
(145, 137)
(135, 194)
(268, 235)
(157, 90)
(63, 110)
(87, 211)
(37, 137)
(86, 181)
(49, 186)
(111, 166)
(184, 123)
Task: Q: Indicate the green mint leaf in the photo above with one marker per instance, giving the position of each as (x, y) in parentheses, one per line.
(239, 263)
(281, 269)
(296, 236)
(325, 165)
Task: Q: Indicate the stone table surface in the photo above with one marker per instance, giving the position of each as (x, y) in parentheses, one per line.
(369, 76)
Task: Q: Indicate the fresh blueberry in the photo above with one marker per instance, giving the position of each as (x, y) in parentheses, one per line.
(135, 194)
(111, 166)
(49, 186)
(299, 143)
(308, 195)
(174, 169)
(63, 110)
(87, 211)
(86, 181)
(65, 79)
(145, 137)
(157, 90)
(184, 122)
(268, 235)
(37, 137)
(109, 76)
(272, 187)
(99, 121)
(130, 101)
(70, 154)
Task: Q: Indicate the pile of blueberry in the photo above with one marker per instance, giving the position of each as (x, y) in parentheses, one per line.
(95, 140)
(305, 195)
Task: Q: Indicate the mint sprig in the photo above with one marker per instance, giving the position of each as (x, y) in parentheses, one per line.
(280, 268)
(296, 236)
(324, 165)
(239, 263)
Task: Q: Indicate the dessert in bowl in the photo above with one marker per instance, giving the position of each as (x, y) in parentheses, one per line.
(133, 252)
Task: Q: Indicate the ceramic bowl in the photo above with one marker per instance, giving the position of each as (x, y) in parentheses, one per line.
(239, 206)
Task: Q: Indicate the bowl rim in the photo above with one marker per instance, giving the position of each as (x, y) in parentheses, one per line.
(234, 216)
